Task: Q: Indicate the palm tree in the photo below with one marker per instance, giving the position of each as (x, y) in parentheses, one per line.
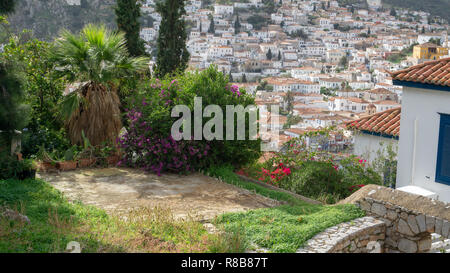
(93, 60)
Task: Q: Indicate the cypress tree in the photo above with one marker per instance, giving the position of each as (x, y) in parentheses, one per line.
(128, 13)
(172, 52)
(269, 54)
(237, 26)
(212, 28)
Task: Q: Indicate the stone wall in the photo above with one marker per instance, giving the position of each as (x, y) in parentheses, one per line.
(409, 219)
(363, 235)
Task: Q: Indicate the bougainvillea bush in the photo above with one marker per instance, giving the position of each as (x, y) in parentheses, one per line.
(147, 142)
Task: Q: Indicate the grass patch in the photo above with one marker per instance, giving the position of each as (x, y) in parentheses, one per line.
(285, 228)
(54, 222)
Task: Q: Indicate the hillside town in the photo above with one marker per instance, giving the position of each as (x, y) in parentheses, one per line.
(224, 126)
(322, 63)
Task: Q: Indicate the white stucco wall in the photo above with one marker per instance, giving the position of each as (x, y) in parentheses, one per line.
(367, 146)
(420, 113)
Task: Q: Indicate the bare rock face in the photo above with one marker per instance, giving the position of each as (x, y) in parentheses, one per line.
(15, 216)
(46, 18)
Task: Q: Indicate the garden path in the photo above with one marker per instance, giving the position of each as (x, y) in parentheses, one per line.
(120, 189)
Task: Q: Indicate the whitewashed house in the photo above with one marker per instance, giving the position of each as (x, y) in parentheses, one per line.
(375, 132)
(424, 150)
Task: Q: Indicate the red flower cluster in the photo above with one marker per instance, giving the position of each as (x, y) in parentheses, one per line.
(274, 177)
(355, 188)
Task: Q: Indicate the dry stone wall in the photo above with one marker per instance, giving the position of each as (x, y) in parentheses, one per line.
(363, 235)
(409, 219)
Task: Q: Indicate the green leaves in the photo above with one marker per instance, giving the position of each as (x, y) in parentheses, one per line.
(96, 54)
(71, 103)
(173, 55)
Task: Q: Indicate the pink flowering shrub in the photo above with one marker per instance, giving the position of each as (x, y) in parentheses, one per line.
(148, 144)
(151, 151)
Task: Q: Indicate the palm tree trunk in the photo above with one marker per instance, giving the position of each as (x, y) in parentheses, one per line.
(99, 117)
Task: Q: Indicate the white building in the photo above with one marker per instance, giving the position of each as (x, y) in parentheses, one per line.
(223, 9)
(373, 134)
(424, 150)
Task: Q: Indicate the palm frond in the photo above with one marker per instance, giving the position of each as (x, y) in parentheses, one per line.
(70, 104)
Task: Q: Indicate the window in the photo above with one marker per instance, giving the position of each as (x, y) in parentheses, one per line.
(443, 160)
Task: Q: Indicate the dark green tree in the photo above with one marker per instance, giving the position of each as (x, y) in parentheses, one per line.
(269, 54)
(13, 111)
(289, 100)
(128, 13)
(212, 28)
(393, 12)
(244, 78)
(237, 25)
(7, 6)
(173, 55)
(279, 55)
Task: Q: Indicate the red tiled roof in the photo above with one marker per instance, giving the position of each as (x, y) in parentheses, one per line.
(434, 72)
(386, 123)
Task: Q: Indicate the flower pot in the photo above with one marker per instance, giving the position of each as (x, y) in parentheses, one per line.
(86, 162)
(67, 166)
(112, 160)
(46, 166)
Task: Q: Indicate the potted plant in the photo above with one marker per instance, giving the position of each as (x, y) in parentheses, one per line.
(86, 157)
(46, 162)
(112, 157)
(69, 164)
(107, 154)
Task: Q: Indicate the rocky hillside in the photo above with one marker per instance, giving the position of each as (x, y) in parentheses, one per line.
(46, 17)
(434, 7)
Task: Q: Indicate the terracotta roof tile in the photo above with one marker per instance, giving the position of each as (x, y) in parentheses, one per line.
(433, 72)
(386, 123)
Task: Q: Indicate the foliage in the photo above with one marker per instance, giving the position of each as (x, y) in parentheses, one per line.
(13, 111)
(257, 21)
(54, 222)
(42, 92)
(150, 124)
(292, 120)
(280, 229)
(300, 34)
(386, 164)
(11, 167)
(317, 173)
(51, 140)
(128, 13)
(7, 6)
(402, 55)
(94, 59)
(173, 55)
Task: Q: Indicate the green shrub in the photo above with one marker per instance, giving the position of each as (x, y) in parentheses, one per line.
(214, 88)
(317, 179)
(11, 168)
